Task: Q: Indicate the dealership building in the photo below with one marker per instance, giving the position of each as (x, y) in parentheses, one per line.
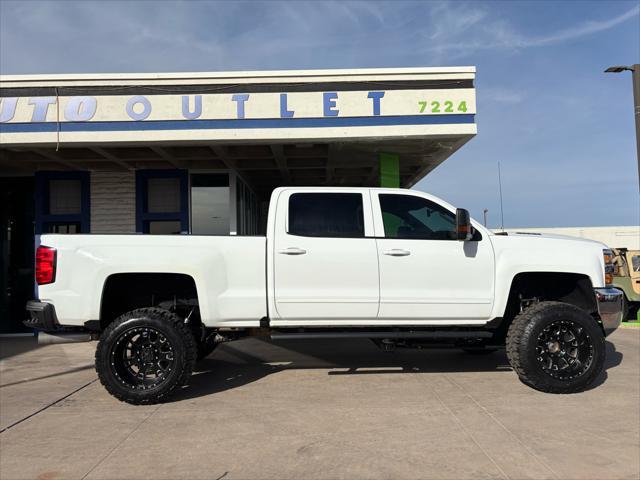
(200, 153)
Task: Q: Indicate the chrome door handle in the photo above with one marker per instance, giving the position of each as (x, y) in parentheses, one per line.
(293, 251)
(397, 252)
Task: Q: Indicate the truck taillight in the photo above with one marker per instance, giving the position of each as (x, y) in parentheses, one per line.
(45, 265)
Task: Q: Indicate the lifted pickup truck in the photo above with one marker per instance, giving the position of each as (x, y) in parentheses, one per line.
(399, 267)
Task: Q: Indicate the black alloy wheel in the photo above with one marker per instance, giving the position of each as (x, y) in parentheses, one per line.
(142, 358)
(564, 349)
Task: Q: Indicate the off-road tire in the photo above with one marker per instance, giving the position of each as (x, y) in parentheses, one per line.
(522, 339)
(172, 328)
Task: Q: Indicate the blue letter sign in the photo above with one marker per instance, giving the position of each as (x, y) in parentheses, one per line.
(240, 99)
(376, 96)
(7, 108)
(41, 107)
(80, 109)
(329, 103)
(284, 111)
(197, 107)
(146, 110)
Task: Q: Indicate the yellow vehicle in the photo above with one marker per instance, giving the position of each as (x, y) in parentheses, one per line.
(626, 277)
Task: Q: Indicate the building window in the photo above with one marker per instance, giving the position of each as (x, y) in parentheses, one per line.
(62, 202)
(161, 202)
(246, 209)
(210, 204)
(326, 215)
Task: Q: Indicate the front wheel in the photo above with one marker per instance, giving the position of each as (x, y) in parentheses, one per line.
(556, 347)
(145, 355)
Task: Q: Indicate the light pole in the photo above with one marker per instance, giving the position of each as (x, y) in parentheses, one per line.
(635, 75)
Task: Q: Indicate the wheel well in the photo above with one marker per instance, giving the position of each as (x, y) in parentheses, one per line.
(530, 287)
(123, 292)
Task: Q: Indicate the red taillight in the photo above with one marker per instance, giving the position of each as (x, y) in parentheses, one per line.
(45, 265)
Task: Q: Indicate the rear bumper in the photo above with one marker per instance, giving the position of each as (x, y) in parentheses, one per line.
(42, 316)
(609, 302)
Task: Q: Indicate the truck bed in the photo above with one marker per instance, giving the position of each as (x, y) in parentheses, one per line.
(229, 272)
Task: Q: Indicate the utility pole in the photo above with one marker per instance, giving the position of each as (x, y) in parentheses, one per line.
(501, 209)
(484, 212)
(635, 76)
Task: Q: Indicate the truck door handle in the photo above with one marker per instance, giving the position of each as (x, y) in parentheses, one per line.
(293, 251)
(397, 252)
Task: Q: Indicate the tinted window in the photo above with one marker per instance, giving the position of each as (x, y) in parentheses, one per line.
(65, 197)
(163, 195)
(326, 215)
(406, 216)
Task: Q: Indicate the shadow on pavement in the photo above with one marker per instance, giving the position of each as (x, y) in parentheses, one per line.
(52, 375)
(613, 359)
(11, 346)
(242, 362)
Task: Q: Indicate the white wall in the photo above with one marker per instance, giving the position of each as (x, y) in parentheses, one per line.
(614, 237)
(113, 202)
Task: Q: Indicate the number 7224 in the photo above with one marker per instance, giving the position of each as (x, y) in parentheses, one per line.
(444, 107)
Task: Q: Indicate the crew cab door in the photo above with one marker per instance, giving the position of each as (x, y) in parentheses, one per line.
(425, 272)
(324, 257)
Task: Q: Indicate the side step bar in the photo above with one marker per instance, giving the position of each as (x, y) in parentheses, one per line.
(65, 337)
(435, 334)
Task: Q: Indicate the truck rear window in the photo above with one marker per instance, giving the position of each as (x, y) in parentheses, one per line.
(326, 215)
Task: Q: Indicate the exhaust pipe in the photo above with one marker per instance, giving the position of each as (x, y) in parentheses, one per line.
(65, 337)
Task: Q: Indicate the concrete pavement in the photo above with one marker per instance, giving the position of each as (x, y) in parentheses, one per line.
(325, 410)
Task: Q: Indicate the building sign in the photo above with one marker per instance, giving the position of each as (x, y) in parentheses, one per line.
(236, 106)
(232, 111)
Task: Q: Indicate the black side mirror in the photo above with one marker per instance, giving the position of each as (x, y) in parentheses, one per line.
(464, 230)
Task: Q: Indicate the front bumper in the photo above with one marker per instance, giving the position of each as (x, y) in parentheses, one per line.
(42, 316)
(609, 302)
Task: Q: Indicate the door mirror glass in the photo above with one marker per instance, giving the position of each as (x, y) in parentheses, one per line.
(464, 230)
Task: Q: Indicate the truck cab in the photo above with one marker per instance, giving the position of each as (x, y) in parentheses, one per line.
(374, 256)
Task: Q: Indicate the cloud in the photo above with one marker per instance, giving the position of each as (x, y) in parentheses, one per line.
(586, 28)
(501, 34)
(129, 36)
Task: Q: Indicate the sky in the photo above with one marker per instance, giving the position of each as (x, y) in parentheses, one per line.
(561, 129)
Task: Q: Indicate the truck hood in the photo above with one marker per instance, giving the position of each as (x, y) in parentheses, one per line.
(534, 235)
(532, 252)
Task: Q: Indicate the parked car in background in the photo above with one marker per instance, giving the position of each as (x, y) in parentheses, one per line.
(626, 277)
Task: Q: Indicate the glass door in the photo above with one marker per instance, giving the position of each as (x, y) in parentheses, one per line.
(210, 204)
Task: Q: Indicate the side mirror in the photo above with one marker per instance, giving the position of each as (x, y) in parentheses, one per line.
(464, 230)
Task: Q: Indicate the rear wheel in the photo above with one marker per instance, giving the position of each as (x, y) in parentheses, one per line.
(145, 355)
(556, 347)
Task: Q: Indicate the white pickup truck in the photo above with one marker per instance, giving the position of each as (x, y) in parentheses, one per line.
(399, 267)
